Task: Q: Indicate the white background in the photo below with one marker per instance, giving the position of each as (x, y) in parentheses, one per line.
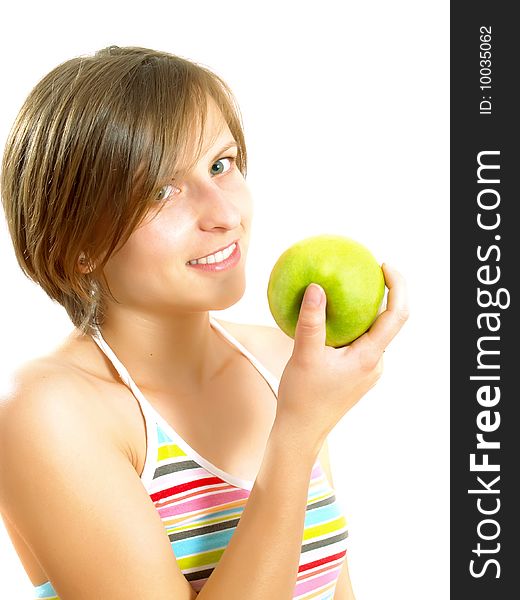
(346, 114)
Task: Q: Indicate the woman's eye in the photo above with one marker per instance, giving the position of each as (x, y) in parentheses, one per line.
(166, 191)
(222, 161)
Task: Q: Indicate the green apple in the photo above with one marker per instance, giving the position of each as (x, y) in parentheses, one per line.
(350, 275)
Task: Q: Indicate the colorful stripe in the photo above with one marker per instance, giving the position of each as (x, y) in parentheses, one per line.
(200, 513)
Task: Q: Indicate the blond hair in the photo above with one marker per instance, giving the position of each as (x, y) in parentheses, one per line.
(93, 144)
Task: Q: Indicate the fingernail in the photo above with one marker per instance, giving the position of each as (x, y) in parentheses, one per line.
(313, 295)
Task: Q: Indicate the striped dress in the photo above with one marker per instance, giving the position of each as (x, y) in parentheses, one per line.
(200, 505)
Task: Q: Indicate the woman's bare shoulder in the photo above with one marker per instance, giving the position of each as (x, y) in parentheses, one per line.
(269, 344)
(36, 375)
(69, 371)
(45, 391)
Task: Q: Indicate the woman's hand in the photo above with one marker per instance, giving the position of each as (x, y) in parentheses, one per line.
(320, 383)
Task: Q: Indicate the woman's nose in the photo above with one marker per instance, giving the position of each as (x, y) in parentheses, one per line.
(217, 208)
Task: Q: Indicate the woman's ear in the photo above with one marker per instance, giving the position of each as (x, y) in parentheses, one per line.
(84, 264)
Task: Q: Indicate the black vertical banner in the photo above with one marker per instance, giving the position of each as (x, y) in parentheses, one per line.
(485, 326)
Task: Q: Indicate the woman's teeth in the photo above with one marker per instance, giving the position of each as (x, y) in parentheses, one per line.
(215, 258)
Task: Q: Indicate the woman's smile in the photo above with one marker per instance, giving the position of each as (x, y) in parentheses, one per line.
(222, 260)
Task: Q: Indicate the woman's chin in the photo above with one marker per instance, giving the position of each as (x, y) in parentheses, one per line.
(229, 298)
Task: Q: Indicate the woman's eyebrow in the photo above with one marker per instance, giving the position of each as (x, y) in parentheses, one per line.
(227, 146)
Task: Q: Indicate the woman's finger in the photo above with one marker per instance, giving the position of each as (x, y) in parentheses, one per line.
(390, 321)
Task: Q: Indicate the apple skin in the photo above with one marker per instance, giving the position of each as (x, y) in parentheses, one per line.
(350, 275)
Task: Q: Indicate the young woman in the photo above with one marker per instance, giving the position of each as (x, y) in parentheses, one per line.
(158, 452)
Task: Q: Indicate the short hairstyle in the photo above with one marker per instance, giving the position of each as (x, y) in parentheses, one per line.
(93, 144)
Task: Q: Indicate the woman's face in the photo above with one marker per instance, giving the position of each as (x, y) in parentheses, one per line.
(207, 211)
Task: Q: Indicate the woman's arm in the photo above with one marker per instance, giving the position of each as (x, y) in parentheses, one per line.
(262, 558)
(72, 493)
